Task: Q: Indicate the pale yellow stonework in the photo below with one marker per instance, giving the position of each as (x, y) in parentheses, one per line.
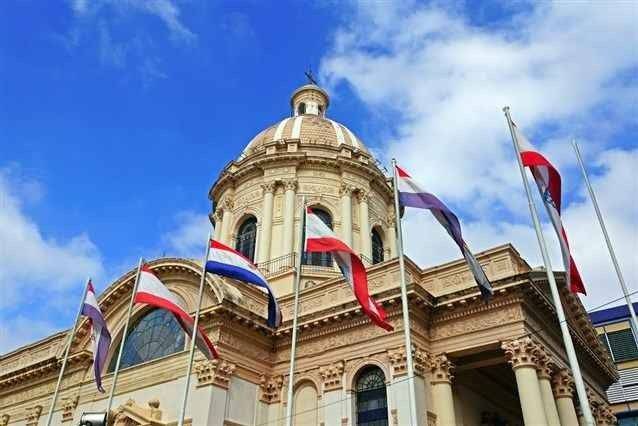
(475, 362)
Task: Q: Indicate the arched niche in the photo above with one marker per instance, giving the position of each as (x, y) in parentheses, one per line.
(306, 403)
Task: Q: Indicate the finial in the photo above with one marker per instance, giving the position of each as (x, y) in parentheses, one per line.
(310, 77)
(506, 109)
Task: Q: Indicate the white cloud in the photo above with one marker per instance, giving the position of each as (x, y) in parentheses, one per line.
(561, 67)
(20, 330)
(188, 237)
(33, 264)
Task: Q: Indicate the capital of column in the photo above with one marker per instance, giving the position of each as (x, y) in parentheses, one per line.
(605, 415)
(268, 187)
(270, 388)
(441, 368)
(217, 215)
(521, 353)
(563, 384)
(331, 375)
(228, 203)
(346, 189)
(544, 366)
(392, 220)
(290, 184)
(363, 196)
(214, 372)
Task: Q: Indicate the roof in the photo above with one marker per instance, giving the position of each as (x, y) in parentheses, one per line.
(611, 314)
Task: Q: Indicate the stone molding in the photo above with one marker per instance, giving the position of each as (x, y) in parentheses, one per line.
(563, 384)
(441, 369)
(331, 375)
(270, 388)
(33, 415)
(68, 408)
(214, 372)
(521, 353)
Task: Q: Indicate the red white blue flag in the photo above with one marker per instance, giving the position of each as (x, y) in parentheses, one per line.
(549, 185)
(151, 291)
(101, 335)
(320, 238)
(412, 195)
(223, 260)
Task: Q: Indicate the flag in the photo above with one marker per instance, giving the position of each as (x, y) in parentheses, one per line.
(320, 238)
(412, 195)
(151, 291)
(223, 260)
(101, 335)
(548, 182)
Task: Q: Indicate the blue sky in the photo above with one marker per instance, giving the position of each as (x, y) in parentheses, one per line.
(117, 116)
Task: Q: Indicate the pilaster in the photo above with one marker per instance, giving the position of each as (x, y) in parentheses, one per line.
(227, 218)
(364, 224)
(346, 213)
(441, 381)
(392, 235)
(290, 188)
(266, 221)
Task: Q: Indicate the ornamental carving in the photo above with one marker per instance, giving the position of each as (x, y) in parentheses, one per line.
(331, 375)
(346, 189)
(363, 196)
(458, 326)
(604, 415)
(441, 369)
(563, 384)
(544, 365)
(521, 352)
(4, 420)
(131, 414)
(270, 388)
(228, 203)
(68, 407)
(398, 361)
(33, 415)
(214, 372)
(290, 184)
(268, 187)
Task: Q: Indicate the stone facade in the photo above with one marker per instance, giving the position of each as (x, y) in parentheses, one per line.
(472, 358)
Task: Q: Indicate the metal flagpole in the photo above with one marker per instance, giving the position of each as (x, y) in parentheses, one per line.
(567, 339)
(66, 354)
(293, 347)
(191, 355)
(404, 302)
(612, 254)
(119, 355)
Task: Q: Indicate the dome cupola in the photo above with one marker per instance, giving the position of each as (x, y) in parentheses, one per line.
(309, 99)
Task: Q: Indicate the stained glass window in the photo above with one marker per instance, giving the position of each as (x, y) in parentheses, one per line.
(377, 247)
(155, 335)
(246, 237)
(372, 404)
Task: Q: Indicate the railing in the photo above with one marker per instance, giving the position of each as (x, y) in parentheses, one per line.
(277, 265)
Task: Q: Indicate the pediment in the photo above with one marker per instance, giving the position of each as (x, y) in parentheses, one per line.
(133, 414)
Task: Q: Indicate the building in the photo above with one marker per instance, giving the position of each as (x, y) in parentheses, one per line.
(476, 363)
(614, 331)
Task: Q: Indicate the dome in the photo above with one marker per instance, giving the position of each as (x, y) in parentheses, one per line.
(308, 124)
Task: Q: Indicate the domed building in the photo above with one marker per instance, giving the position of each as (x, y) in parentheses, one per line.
(476, 363)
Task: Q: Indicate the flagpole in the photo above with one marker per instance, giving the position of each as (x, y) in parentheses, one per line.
(119, 355)
(404, 301)
(567, 340)
(612, 254)
(293, 347)
(66, 354)
(191, 355)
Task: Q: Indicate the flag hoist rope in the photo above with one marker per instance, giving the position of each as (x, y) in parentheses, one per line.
(404, 301)
(567, 339)
(293, 347)
(612, 254)
(122, 341)
(66, 354)
(191, 354)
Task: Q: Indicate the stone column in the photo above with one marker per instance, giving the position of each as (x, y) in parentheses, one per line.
(441, 382)
(266, 222)
(289, 215)
(522, 356)
(364, 225)
(346, 213)
(392, 235)
(544, 376)
(217, 233)
(227, 218)
(563, 386)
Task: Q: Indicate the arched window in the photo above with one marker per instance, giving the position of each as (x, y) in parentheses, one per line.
(377, 247)
(301, 109)
(246, 236)
(372, 403)
(319, 259)
(156, 334)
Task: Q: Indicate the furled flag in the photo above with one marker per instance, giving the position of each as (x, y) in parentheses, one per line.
(152, 291)
(549, 185)
(320, 238)
(412, 195)
(101, 335)
(223, 260)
